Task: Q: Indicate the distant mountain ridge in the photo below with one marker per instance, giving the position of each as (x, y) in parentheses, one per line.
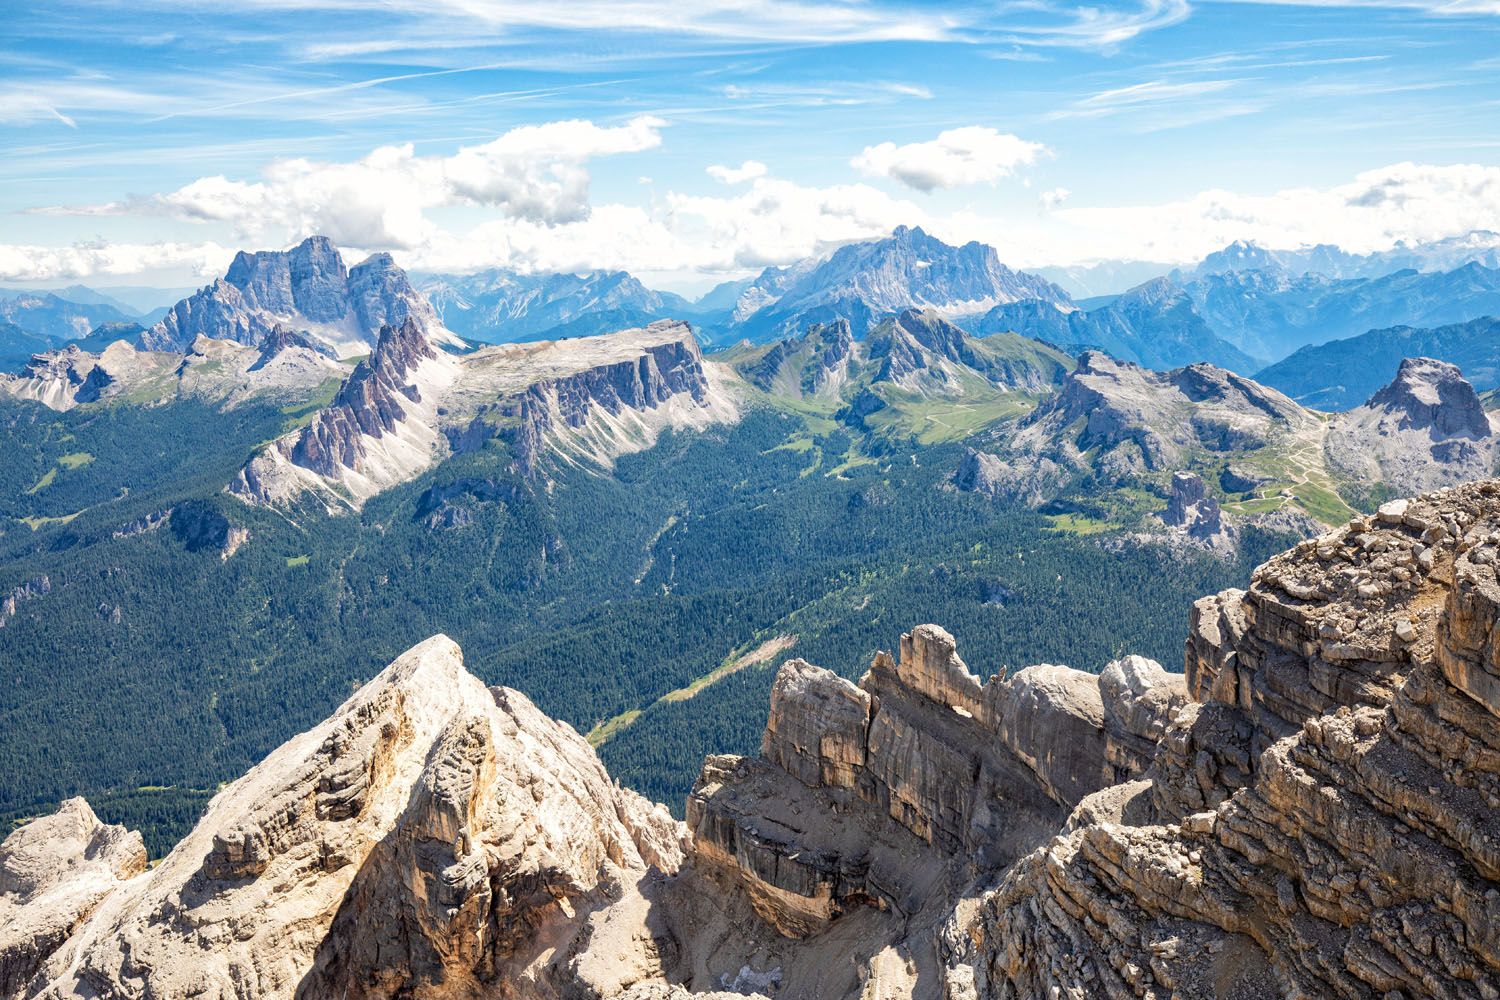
(863, 282)
(48, 314)
(500, 306)
(1244, 319)
(1476, 247)
(1155, 324)
(1343, 373)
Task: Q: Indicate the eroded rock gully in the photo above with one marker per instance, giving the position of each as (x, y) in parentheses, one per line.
(1311, 810)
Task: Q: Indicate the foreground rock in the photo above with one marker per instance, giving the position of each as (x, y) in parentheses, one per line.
(1311, 810)
(873, 806)
(431, 838)
(1327, 821)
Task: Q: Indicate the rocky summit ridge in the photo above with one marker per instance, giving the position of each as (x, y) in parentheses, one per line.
(307, 288)
(1312, 809)
(411, 403)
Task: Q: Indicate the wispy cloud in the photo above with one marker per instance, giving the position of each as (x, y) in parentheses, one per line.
(1437, 8)
(1151, 94)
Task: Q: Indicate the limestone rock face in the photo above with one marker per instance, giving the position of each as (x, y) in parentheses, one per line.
(1192, 508)
(980, 472)
(412, 403)
(53, 872)
(433, 838)
(307, 289)
(1326, 817)
(891, 794)
(1426, 430)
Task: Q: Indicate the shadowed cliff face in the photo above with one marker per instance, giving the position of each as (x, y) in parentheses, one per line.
(1312, 809)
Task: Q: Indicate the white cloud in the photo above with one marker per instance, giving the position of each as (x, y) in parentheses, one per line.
(770, 222)
(956, 158)
(535, 172)
(747, 171)
(23, 262)
(1404, 201)
(773, 221)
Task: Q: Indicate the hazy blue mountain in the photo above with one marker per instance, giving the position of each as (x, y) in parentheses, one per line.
(864, 282)
(1342, 374)
(107, 333)
(18, 345)
(1154, 324)
(1243, 319)
(1106, 277)
(149, 302)
(1269, 313)
(1477, 247)
(500, 306)
(51, 315)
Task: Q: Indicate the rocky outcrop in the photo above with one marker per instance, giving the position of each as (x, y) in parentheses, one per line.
(933, 777)
(980, 472)
(280, 340)
(433, 838)
(221, 372)
(37, 586)
(54, 871)
(1327, 813)
(1426, 430)
(1192, 508)
(308, 289)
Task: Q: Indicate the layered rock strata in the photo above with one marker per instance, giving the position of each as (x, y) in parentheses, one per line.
(934, 777)
(1327, 819)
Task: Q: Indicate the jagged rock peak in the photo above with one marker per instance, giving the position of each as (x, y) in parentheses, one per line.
(1434, 394)
(1192, 507)
(432, 838)
(308, 288)
(980, 472)
(281, 338)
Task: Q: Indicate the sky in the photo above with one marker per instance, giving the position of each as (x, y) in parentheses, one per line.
(690, 143)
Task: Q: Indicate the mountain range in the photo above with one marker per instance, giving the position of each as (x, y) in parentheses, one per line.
(1244, 318)
(506, 306)
(626, 501)
(1340, 373)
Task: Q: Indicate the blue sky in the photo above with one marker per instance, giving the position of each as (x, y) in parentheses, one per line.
(146, 141)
